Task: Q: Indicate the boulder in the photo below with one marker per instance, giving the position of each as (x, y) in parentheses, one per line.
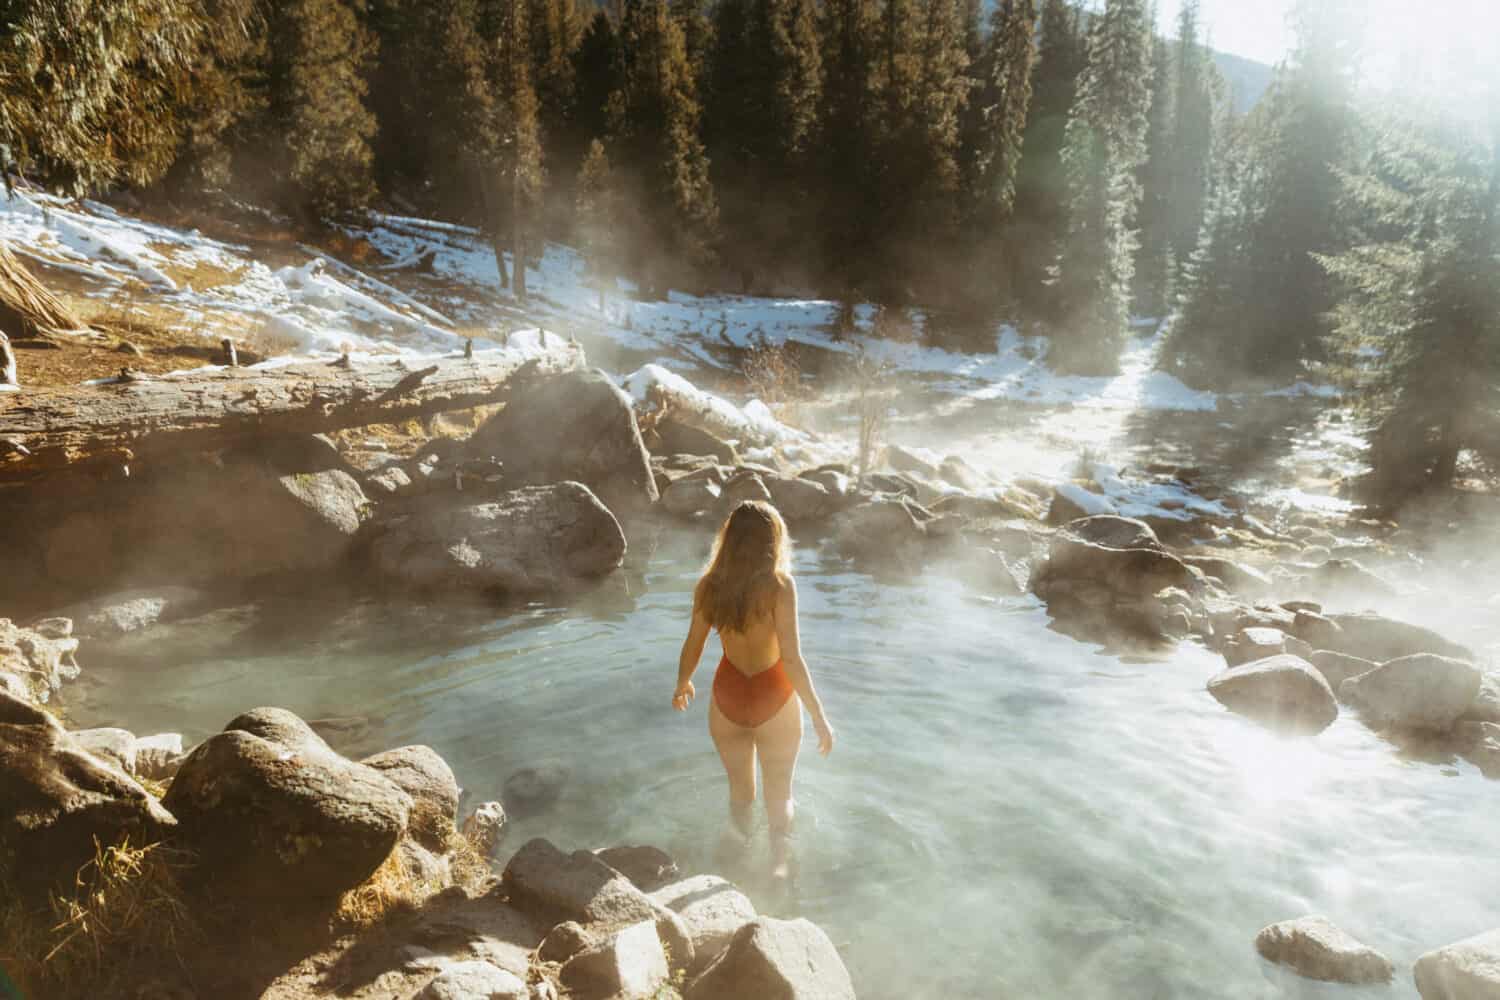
(1376, 637)
(485, 828)
(531, 540)
(391, 481)
(799, 500)
(158, 757)
(956, 472)
(771, 959)
(117, 746)
(629, 965)
(1315, 628)
(273, 812)
(1347, 578)
(1284, 692)
(884, 529)
(673, 437)
(1251, 644)
(900, 459)
(129, 611)
(745, 484)
(1337, 668)
(1422, 692)
(649, 868)
(1071, 502)
(473, 980)
(1114, 532)
(533, 790)
(1480, 745)
(422, 774)
(35, 661)
(1315, 948)
(713, 910)
(564, 941)
(207, 522)
(1468, 970)
(691, 496)
(574, 426)
(1486, 707)
(1236, 577)
(838, 484)
(62, 802)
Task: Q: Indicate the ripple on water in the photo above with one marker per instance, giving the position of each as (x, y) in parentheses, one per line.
(1008, 814)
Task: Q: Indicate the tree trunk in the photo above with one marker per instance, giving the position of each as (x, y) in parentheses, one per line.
(7, 362)
(141, 417)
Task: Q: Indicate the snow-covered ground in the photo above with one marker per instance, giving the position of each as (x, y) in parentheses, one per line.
(432, 285)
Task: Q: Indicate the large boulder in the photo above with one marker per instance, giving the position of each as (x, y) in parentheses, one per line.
(799, 500)
(62, 802)
(577, 426)
(207, 522)
(1246, 581)
(272, 812)
(889, 530)
(1284, 692)
(531, 540)
(1251, 644)
(692, 496)
(713, 909)
(1422, 692)
(1376, 637)
(426, 777)
(1486, 707)
(1337, 668)
(650, 868)
(629, 965)
(35, 661)
(1071, 502)
(1314, 947)
(669, 436)
(770, 959)
(1468, 970)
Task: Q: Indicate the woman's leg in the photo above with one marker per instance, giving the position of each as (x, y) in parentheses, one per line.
(778, 741)
(736, 746)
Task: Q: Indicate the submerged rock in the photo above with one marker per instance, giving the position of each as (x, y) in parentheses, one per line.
(1284, 692)
(273, 812)
(129, 611)
(1467, 970)
(770, 959)
(576, 426)
(531, 540)
(1414, 692)
(535, 789)
(1315, 948)
(62, 803)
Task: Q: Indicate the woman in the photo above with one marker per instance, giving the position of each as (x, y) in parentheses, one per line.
(747, 594)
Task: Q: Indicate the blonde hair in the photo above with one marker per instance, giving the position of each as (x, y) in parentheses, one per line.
(751, 556)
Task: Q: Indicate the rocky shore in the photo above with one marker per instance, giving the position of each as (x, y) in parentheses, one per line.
(558, 491)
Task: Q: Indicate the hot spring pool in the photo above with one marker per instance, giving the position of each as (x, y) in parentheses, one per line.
(1008, 813)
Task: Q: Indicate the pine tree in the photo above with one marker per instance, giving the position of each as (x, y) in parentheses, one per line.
(654, 130)
(598, 71)
(555, 28)
(515, 166)
(318, 54)
(1154, 265)
(598, 218)
(1041, 217)
(848, 169)
(1418, 325)
(1106, 144)
(1192, 134)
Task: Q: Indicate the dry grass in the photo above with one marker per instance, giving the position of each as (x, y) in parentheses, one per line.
(126, 921)
(871, 402)
(397, 888)
(774, 376)
(29, 307)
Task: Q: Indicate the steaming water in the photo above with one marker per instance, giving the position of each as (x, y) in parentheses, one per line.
(1008, 813)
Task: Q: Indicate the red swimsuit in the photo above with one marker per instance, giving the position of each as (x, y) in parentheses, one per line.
(750, 700)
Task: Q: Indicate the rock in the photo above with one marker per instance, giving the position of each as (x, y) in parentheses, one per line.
(61, 801)
(956, 472)
(630, 964)
(1414, 692)
(1070, 502)
(672, 437)
(1347, 577)
(201, 523)
(1315, 948)
(838, 484)
(272, 812)
(575, 426)
(1251, 644)
(130, 611)
(900, 459)
(532, 540)
(713, 910)
(34, 663)
(1480, 745)
(1468, 970)
(391, 481)
(158, 757)
(883, 530)
(1337, 668)
(799, 500)
(117, 746)
(771, 959)
(895, 484)
(1297, 647)
(473, 980)
(1316, 629)
(1115, 532)
(1376, 637)
(1238, 578)
(1283, 692)
(485, 828)
(649, 868)
(743, 485)
(533, 790)
(1486, 707)
(564, 941)
(422, 774)
(691, 496)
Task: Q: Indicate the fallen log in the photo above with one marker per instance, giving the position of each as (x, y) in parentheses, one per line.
(136, 416)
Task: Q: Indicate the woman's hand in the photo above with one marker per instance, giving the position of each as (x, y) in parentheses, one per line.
(683, 696)
(825, 736)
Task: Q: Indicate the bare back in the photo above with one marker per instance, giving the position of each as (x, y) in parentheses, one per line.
(754, 650)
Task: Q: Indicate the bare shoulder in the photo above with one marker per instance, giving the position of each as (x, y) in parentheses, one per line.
(786, 590)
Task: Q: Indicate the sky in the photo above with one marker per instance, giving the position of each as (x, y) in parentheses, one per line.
(1255, 29)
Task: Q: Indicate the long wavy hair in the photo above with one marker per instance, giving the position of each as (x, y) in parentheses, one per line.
(750, 557)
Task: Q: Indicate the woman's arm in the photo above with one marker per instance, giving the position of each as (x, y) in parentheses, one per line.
(687, 662)
(796, 666)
